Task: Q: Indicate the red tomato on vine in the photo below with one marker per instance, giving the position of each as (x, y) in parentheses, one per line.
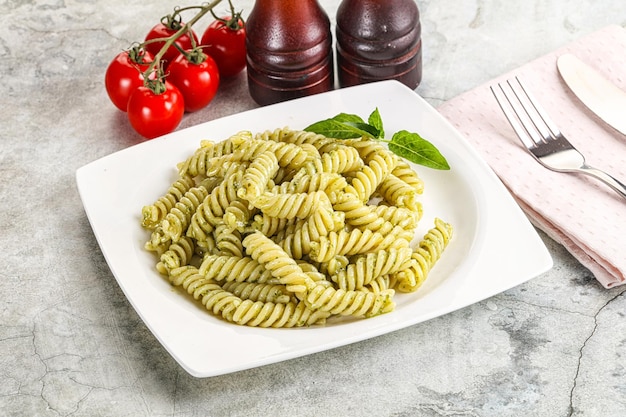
(124, 75)
(225, 41)
(164, 30)
(152, 113)
(197, 77)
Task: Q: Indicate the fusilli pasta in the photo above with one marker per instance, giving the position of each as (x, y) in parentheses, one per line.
(287, 228)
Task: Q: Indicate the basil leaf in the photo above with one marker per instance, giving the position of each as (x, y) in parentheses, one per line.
(348, 118)
(416, 149)
(338, 130)
(369, 130)
(405, 144)
(377, 122)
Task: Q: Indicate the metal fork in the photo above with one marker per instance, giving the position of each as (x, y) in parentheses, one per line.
(541, 136)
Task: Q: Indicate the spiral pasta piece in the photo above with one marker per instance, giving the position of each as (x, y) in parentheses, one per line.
(287, 154)
(176, 221)
(259, 173)
(365, 216)
(404, 172)
(190, 279)
(357, 213)
(437, 238)
(353, 303)
(298, 137)
(318, 224)
(153, 214)
(353, 242)
(339, 160)
(344, 243)
(225, 166)
(158, 242)
(369, 150)
(210, 213)
(210, 182)
(291, 205)
(244, 312)
(335, 264)
(263, 250)
(237, 216)
(316, 275)
(398, 193)
(227, 241)
(368, 178)
(270, 225)
(424, 257)
(298, 243)
(296, 239)
(218, 301)
(282, 175)
(178, 254)
(253, 313)
(378, 285)
(400, 216)
(303, 182)
(272, 293)
(205, 245)
(259, 314)
(363, 270)
(233, 268)
(197, 163)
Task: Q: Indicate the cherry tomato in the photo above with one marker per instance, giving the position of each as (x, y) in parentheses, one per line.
(124, 75)
(225, 41)
(197, 78)
(153, 115)
(162, 30)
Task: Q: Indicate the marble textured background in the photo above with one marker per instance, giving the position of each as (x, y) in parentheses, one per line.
(71, 344)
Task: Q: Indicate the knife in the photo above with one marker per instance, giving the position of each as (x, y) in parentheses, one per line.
(600, 95)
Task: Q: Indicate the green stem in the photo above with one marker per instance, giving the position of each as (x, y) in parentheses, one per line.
(170, 40)
(184, 9)
(233, 22)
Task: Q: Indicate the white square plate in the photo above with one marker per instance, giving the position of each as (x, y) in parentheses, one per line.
(494, 246)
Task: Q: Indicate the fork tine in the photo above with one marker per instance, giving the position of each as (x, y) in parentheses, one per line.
(512, 116)
(527, 113)
(541, 112)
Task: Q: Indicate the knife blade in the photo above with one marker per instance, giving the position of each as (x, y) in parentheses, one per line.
(600, 95)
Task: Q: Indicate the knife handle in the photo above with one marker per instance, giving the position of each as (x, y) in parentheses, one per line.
(618, 186)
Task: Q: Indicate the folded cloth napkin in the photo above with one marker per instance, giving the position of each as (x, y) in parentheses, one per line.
(580, 212)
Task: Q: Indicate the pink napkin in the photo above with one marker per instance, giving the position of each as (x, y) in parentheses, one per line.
(581, 213)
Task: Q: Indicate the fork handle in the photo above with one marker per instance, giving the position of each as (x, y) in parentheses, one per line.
(618, 186)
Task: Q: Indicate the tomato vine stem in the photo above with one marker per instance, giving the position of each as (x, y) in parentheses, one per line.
(157, 84)
(234, 22)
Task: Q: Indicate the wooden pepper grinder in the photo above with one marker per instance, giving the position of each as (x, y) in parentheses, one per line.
(289, 50)
(378, 40)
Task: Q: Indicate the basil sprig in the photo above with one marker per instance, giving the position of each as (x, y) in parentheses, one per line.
(405, 144)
